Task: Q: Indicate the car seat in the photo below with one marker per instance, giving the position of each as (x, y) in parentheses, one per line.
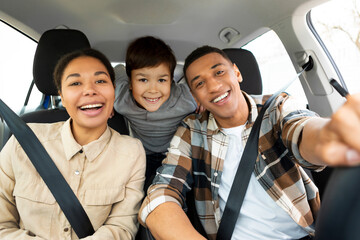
(53, 44)
(249, 68)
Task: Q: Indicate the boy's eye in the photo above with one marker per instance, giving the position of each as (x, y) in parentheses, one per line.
(162, 80)
(142, 80)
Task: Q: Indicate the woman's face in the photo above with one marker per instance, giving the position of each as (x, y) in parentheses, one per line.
(87, 93)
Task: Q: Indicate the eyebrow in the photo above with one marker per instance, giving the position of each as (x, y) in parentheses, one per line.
(78, 75)
(213, 67)
(72, 75)
(100, 72)
(144, 75)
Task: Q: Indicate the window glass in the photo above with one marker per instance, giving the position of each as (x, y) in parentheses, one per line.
(16, 61)
(338, 24)
(275, 65)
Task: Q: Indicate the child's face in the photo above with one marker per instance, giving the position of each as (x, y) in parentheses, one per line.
(87, 93)
(151, 86)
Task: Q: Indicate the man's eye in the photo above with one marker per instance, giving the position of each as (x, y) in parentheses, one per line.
(199, 84)
(220, 72)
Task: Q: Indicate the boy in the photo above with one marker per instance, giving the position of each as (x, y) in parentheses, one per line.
(151, 102)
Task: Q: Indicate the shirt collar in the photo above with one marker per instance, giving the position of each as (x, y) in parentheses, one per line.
(91, 150)
(213, 127)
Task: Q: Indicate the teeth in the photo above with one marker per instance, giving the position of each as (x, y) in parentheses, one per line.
(91, 106)
(221, 97)
(152, 99)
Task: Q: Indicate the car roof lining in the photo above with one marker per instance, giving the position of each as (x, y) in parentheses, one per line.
(122, 20)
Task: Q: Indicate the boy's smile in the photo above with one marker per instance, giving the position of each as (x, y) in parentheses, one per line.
(151, 86)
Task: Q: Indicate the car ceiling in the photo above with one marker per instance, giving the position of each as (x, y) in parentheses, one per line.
(183, 24)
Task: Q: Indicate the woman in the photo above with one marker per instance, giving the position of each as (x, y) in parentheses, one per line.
(104, 169)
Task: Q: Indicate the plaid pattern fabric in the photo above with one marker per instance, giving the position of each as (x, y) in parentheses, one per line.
(198, 149)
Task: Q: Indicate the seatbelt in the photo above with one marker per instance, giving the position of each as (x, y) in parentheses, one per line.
(244, 171)
(51, 175)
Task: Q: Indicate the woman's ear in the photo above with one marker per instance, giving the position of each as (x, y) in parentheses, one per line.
(237, 73)
(62, 99)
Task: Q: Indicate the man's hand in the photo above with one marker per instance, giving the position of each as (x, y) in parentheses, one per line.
(334, 142)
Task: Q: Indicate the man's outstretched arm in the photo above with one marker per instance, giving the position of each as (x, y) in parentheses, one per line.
(334, 141)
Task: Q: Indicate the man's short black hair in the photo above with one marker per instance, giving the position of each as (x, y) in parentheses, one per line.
(202, 51)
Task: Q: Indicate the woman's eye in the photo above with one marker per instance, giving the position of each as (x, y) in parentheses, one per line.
(100, 81)
(74, 84)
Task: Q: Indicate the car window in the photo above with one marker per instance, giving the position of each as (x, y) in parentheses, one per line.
(16, 61)
(337, 23)
(275, 65)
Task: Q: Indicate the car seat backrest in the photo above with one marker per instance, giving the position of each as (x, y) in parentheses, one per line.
(53, 44)
(249, 68)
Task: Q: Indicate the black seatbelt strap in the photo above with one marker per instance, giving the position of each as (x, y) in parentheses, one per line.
(243, 173)
(241, 180)
(51, 175)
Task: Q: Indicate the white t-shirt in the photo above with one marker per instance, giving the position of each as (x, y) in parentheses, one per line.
(260, 217)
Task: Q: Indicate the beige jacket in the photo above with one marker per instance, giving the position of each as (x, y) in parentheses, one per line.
(106, 175)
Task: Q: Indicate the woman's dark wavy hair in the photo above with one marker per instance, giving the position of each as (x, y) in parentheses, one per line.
(88, 52)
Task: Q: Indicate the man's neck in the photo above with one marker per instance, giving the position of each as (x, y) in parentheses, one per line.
(240, 118)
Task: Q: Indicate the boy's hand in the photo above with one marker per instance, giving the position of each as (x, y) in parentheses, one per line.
(200, 109)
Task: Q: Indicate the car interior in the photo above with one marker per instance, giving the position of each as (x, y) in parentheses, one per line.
(59, 27)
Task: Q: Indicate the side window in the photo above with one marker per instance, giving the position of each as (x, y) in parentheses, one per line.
(337, 23)
(16, 61)
(275, 65)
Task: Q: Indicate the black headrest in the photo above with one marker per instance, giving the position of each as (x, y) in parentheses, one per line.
(249, 68)
(53, 44)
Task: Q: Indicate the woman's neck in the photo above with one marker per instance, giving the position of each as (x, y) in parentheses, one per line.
(84, 136)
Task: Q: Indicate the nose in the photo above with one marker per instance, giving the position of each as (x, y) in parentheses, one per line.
(89, 89)
(153, 86)
(213, 84)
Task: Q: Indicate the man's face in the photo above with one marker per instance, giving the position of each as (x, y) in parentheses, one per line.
(214, 83)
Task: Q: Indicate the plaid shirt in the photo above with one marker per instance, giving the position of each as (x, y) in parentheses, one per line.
(196, 157)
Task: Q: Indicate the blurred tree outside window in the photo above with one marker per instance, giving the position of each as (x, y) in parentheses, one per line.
(338, 24)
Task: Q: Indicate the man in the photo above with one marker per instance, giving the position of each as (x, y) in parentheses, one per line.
(281, 202)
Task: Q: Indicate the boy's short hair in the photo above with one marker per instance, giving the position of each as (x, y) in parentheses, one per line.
(149, 52)
(88, 52)
(202, 51)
